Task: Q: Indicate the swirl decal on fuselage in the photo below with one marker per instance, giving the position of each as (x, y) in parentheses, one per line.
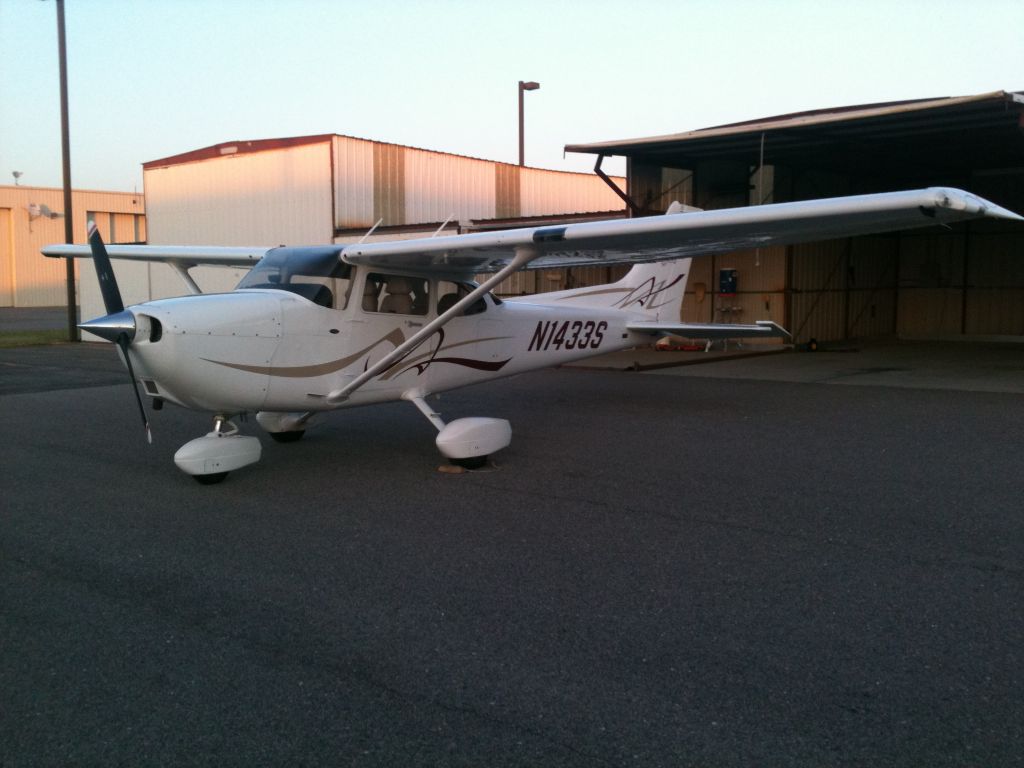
(421, 363)
(424, 361)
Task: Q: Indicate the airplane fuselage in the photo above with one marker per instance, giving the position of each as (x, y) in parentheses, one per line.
(270, 350)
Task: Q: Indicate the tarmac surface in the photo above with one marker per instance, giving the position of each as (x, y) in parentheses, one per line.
(731, 565)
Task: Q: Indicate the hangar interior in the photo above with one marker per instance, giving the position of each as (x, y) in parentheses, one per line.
(963, 282)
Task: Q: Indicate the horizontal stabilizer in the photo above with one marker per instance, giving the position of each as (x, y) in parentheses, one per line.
(763, 328)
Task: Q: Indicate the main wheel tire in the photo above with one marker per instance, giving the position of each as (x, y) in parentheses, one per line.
(471, 462)
(211, 479)
(288, 437)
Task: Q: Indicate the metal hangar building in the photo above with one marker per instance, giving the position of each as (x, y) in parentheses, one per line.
(966, 282)
(332, 188)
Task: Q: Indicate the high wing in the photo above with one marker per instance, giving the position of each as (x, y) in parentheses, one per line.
(617, 241)
(657, 238)
(180, 258)
(187, 256)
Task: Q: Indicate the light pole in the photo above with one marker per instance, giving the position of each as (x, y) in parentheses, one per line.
(69, 233)
(530, 86)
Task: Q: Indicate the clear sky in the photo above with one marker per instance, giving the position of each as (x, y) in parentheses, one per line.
(152, 78)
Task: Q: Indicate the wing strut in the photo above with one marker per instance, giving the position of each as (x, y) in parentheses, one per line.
(523, 256)
(182, 271)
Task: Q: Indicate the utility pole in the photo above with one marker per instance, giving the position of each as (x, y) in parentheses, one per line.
(69, 220)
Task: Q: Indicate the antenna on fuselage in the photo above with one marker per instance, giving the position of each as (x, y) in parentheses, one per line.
(445, 224)
(363, 238)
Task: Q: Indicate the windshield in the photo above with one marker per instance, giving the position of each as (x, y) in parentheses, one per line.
(280, 266)
(313, 272)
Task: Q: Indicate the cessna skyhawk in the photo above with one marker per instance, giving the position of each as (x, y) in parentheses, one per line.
(313, 329)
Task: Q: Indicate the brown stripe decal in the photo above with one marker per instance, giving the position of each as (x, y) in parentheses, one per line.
(396, 337)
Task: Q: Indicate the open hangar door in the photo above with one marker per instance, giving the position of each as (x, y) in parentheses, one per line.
(964, 282)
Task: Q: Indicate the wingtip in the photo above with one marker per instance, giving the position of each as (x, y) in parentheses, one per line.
(960, 200)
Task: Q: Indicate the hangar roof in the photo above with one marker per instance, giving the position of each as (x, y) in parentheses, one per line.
(244, 147)
(972, 131)
(236, 148)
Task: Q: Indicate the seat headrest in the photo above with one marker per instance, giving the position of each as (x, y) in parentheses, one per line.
(399, 285)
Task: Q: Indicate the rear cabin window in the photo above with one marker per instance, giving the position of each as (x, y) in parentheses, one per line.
(396, 294)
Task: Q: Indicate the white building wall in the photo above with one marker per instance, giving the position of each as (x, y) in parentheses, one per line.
(258, 198)
(438, 186)
(29, 279)
(543, 192)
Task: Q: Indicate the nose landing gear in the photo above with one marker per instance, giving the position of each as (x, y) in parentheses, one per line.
(209, 458)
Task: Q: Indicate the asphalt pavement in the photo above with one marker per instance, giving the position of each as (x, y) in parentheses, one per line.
(661, 570)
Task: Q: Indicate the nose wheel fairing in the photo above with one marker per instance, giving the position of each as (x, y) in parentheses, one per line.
(209, 458)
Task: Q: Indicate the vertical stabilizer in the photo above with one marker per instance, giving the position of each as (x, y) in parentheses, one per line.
(654, 289)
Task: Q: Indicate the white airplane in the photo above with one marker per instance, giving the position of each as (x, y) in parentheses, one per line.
(313, 329)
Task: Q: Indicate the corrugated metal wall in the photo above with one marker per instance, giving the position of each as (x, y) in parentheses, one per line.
(27, 278)
(921, 284)
(544, 193)
(259, 198)
(994, 301)
(389, 191)
(507, 191)
(354, 176)
(844, 289)
(966, 282)
(409, 186)
(438, 186)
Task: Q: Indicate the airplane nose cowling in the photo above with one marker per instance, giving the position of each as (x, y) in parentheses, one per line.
(112, 327)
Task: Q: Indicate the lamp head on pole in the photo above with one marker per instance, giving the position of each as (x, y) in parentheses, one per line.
(524, 86)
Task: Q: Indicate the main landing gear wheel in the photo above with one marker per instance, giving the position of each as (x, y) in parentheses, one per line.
(470, 462)
(287, 437)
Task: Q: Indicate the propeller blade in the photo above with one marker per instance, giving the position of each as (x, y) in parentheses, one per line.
(123, 342)
(104, 272)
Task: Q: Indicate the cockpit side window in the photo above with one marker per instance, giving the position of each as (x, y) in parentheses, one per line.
(448, 293)
(313, 287)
